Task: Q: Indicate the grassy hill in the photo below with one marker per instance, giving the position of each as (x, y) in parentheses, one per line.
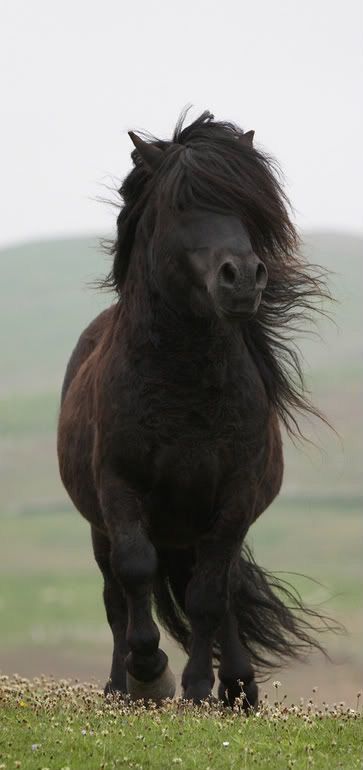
(46, 300)
(50, 595)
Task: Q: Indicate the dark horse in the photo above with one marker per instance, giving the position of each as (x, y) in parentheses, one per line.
(169, 439)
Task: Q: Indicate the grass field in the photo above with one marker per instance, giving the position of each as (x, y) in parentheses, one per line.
(51, 614)
(62, 726)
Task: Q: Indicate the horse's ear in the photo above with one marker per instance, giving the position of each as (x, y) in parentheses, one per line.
(247, 138)
(150, 154)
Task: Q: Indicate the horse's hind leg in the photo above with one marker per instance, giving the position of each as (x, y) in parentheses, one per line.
(133, 562)
(116, 611)
(235, 666)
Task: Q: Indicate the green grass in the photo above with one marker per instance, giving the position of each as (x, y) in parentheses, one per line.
(55, 725)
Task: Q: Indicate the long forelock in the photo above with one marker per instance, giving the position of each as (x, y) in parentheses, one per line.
(216, 171)
(207, 166)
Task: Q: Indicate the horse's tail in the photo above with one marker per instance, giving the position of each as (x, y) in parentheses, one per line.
(274, 624)
(170, 584)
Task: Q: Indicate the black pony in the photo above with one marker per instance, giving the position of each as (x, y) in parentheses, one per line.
(169, 440)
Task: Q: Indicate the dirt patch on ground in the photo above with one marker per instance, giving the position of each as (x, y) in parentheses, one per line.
(334, 682)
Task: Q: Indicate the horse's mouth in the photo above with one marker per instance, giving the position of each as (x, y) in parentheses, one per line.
(245, 309)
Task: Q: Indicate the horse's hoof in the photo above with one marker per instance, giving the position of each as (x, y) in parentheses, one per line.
(116, 690)
(251, 695)
(198, 692)
(248, 698)
(157, 690)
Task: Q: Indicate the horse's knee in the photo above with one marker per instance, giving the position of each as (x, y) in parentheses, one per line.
(143, 639)
(134, 562)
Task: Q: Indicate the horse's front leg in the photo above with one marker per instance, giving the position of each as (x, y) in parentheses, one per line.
(134, 564)
(207, 602)
(116, 611)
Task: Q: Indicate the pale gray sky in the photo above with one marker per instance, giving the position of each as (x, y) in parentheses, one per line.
(77, 74)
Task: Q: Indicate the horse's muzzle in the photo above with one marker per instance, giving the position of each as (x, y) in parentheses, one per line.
(239, 284)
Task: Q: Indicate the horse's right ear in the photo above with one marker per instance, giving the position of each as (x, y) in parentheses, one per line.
(247, 138)
(151, 155)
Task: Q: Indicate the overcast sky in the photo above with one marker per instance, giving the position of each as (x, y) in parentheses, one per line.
(77, 74)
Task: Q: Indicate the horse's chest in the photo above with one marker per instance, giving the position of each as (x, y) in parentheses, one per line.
(181, 503)
(181, 445)
(205, 446)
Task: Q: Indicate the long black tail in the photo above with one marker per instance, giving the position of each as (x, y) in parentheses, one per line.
(274, 624)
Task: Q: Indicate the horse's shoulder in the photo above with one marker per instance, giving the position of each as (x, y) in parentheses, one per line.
(86, 344)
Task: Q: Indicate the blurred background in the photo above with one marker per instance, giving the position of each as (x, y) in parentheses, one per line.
(75, 77)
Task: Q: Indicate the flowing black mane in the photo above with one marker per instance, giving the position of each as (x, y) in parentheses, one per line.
(207, 166)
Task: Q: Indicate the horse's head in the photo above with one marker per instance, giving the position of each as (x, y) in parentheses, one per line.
(201, 260)
(204, 261)
(205, 223)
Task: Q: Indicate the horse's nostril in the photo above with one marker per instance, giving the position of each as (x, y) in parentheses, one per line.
(228, 274)
(261, 276)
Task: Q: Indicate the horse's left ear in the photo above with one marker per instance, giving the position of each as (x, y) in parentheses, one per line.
(247, 138)
(150, 154)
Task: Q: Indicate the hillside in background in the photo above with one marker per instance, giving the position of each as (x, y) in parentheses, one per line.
(51, 615)
(46, 299)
